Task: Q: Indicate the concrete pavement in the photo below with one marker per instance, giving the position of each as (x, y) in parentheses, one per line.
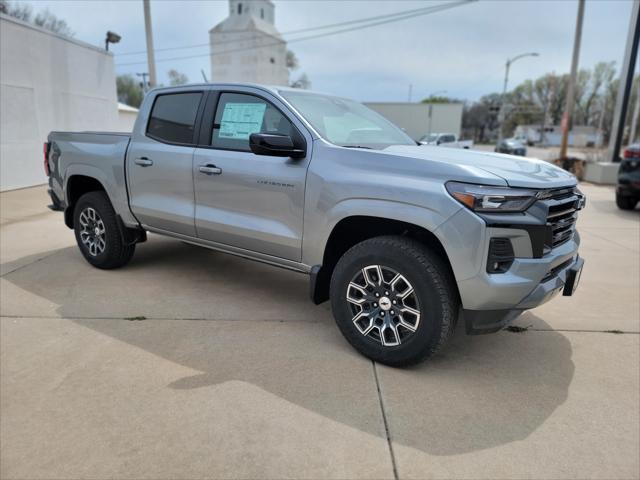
(232, 373)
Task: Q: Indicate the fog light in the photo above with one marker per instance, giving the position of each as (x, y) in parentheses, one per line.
(500, 255)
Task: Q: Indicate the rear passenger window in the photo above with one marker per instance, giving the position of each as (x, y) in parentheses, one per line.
(173, 117)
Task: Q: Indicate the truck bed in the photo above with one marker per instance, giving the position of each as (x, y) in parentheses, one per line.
(98, 155)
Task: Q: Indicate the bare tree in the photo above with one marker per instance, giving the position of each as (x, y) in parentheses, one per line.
(16, 10)
(48, 20)
(293, 64)
(302, 82)
(44, 19)
(177, 78)
(292, 61)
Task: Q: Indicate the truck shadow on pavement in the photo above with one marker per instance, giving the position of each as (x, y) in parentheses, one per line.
(234, 320)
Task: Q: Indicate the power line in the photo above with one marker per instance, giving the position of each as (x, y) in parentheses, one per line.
(403, 13)
(426, 11)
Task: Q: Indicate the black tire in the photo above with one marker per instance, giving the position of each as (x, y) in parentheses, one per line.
(432, 283)
(626, 203)
(115, 253)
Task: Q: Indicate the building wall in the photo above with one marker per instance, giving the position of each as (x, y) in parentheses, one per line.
(248, 60)
(126, 118)
(419, 119)
(47, 82)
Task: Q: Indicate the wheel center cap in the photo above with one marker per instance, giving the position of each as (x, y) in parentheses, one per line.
(385, 303)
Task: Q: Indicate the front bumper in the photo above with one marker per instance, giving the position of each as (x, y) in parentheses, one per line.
(539, 269)
(561, 279)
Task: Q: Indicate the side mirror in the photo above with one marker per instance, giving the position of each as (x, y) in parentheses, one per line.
(274, 145)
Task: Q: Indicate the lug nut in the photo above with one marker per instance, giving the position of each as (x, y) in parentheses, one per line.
(377, 294)
(375, 305)
(386, 293)
(394, 302)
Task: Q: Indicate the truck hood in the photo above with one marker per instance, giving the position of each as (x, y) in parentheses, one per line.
(516, 171)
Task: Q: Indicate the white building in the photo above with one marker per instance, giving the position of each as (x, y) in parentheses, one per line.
(247, 47)
(126, 117)
(420, 119)
(47, 82)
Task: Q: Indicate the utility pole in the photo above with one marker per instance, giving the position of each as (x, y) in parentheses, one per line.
(634, 118)
(566, 117)
(150, 53)
(626, 81)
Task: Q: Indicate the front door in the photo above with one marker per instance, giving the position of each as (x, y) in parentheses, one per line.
(254, 202)
(160, 164)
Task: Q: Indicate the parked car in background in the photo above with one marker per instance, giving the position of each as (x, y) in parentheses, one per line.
(402, 239)
(445, 140)
(512, 147)
(628, 189)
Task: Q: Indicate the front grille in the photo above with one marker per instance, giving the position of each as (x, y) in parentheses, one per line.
(554, 271)
(563, 205)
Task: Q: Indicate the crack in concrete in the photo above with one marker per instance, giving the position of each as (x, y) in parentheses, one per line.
(27, 264)
(386, 423)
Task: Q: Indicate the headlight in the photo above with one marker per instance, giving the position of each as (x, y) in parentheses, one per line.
(481, 198)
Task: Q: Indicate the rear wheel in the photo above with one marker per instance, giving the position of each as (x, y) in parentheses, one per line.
(98, 233)
(394, 300)
(626, 203)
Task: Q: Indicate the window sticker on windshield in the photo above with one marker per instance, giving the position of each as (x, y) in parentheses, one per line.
(239, 120)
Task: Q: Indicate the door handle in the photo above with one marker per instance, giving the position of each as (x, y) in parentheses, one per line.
(143, 162)
(210, 169)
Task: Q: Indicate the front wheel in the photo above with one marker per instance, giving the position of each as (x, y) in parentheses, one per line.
(394, 300)
(98, 233)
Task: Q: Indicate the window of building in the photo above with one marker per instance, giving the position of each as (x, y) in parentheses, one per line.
(239, 9)
(262, 13)
(173, 117)
(239, 115)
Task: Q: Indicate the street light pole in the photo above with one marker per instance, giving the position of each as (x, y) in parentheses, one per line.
(501, 112)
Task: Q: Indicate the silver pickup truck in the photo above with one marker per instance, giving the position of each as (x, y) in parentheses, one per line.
(403, 239)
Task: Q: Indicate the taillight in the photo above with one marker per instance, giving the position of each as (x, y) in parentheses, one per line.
(631, 153)
(45, 151)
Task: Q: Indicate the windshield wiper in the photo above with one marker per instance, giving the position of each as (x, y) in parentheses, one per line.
(356, 146)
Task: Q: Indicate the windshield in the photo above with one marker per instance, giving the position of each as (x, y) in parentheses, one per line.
(345, 122)
(430, 138)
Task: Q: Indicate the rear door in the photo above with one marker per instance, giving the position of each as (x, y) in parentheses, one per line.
(159, 163)
(254, 202)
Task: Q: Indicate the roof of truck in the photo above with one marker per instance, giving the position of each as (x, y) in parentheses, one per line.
(270, 88)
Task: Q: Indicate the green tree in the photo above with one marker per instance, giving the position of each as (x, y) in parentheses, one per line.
(129, 90)
(439, 99)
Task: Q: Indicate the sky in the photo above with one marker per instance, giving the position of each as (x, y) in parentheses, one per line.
(461, 51)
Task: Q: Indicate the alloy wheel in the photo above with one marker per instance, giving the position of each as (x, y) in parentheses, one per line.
(92, 231)
(383, 304)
